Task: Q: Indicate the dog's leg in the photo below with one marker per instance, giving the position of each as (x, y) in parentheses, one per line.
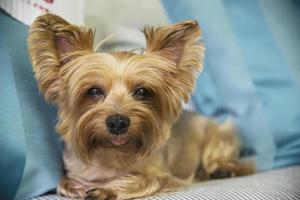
(220, 152)
(135, 186)
(69, 187)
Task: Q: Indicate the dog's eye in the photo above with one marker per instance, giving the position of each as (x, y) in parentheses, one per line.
(141, 93)
(95, 92)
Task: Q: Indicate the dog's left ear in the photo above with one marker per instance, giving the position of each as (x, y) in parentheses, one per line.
(179, 44)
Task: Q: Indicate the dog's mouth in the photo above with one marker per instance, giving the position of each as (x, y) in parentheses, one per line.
(120, 143)
(119, 140)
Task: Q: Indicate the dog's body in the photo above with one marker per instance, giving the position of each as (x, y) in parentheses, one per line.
(120, 112)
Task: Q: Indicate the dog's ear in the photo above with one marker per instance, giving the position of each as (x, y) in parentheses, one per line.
(52, 42)
(178, 43)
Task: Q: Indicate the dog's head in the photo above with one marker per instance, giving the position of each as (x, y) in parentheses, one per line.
(121, 101)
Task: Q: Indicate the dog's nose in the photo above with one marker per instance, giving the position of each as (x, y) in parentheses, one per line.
(117, 124)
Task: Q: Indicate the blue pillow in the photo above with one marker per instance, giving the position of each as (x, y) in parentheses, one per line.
(30, 156)
(251, 73)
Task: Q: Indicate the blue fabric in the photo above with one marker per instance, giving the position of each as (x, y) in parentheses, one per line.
(251, 73)
(30, 156)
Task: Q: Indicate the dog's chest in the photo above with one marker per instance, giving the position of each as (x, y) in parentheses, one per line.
(96, 171)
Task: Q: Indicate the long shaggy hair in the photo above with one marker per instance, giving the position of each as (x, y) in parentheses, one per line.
(89, 87)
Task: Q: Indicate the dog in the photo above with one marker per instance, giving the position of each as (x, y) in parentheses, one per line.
(120, 113)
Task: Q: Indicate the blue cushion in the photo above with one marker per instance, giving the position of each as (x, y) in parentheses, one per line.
(251, 73)
(30, 156)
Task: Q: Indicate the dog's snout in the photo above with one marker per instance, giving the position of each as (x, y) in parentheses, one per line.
(117, 124)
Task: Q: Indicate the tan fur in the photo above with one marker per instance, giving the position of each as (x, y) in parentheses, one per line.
(160, 155)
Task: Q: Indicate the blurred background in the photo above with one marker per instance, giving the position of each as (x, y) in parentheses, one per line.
(251, 76)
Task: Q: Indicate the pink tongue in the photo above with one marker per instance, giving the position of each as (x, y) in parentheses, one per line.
(118, 141)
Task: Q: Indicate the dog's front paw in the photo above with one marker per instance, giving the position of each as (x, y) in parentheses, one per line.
(70, 188)
(100, 194)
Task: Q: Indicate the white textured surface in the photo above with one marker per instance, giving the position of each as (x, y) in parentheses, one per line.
(282, 184)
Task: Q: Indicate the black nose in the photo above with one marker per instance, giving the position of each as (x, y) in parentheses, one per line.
(117, 124)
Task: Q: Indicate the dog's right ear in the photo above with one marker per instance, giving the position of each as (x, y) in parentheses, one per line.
(53, 42)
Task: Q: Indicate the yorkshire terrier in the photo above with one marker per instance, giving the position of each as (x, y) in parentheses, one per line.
(120, 113)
